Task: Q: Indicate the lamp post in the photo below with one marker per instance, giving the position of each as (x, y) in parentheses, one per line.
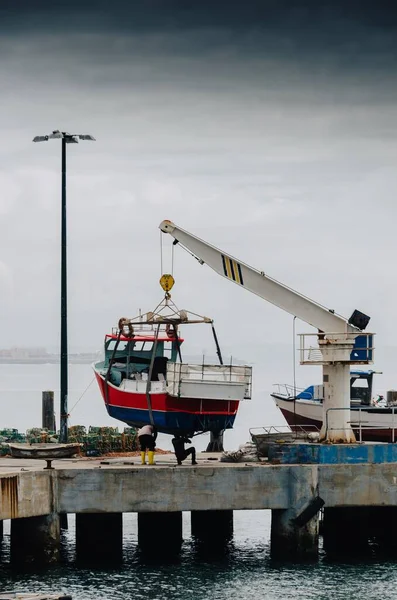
(66, 138)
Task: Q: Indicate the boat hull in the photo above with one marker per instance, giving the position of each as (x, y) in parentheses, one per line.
(170, 413)
(377, 423)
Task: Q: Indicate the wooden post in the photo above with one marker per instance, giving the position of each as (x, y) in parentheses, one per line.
(48, 416)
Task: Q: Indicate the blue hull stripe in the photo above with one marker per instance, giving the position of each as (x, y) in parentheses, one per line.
(172, 421)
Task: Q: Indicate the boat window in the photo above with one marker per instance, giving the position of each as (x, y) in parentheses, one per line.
(168, 349)
(360, 391)
(121, 346)
(140, 346)
(360, 383)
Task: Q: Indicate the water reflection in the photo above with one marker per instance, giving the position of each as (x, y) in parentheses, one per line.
(240, 569)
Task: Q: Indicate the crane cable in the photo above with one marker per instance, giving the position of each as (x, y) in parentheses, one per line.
(161, 256)
(149, 379)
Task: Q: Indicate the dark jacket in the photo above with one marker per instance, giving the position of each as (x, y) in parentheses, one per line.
(179, 445)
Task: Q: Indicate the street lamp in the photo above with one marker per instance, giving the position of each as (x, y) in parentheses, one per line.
(67, 138)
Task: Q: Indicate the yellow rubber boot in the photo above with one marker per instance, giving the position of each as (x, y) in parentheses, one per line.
(151, 457)
(143, 457)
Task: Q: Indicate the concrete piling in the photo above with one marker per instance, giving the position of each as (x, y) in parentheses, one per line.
(358, 527)
(63, 519)
(383, 528)
(99, 537)
(346, 529)
(35, 539)
(212, 526)
(291, 541)
(295, 530)
(160, 533)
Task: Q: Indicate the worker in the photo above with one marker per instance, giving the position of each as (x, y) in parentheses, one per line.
(147, 440)
(179, 442)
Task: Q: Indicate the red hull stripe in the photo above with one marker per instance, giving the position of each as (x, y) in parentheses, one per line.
(162, 402)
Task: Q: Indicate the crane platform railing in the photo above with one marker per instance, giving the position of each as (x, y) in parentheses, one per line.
(310, 352)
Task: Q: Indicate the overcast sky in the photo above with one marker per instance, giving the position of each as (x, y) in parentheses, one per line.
(268, 128)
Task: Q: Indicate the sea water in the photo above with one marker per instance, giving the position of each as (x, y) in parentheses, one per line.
(242, 572)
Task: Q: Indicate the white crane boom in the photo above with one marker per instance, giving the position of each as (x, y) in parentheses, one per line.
(260, 284)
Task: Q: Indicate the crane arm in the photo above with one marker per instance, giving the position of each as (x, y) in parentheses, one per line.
(258, 283)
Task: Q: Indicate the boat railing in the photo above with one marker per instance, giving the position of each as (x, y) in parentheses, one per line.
(140, 328)
(290, 391)
(284, 429)
(178, 373)
(361, 424)
(140, 385)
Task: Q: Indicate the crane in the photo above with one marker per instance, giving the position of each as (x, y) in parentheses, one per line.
(336, 335)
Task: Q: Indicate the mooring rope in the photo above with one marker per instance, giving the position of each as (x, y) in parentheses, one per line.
(76, 403)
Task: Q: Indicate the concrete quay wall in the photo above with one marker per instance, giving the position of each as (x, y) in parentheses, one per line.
(28, 494)
(169, 489)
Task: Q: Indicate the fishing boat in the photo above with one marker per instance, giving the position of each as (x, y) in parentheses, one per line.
(144, 379)
(372, 418)
(44, 451)
(264, 437)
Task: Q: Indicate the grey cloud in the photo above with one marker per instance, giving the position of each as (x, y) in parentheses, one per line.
(348, 36)
(284, 159)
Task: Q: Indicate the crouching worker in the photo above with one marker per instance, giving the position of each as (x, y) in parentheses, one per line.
(179, 442)
(147, 440)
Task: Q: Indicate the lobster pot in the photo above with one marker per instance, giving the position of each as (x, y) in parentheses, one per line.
(391, 397)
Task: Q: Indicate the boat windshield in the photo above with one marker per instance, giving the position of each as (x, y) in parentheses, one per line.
(131, 358)
(361, 387)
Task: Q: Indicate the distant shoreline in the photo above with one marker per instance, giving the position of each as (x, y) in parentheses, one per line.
(46, 361)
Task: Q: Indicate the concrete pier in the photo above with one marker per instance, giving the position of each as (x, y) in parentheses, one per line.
(160, 533)
(213, 527)
(35, 539)
(359, 502)
(99, 537)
